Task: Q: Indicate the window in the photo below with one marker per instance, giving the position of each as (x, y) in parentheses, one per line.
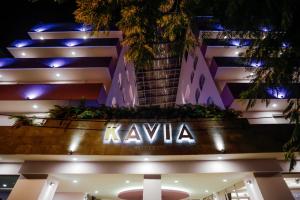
(201, 81)
(195, 62)
(120, 80)
(186, 54)
(197, 95)
(210, 101)
(192, 76)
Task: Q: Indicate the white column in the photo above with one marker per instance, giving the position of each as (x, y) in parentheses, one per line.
(34, 189)
(152, 187)
(267, 186)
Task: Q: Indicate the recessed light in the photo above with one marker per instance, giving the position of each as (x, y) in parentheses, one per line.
(96, 192)
(146, 159)
(4, 185)
(35, 106)
(225, 37)
(127, 181)
(236, 53)
(274, 105)
(206, 191)
(252, 74)
(176, 181)
(74, 159)
(84, 37)
(41, 38)
(220, 158)
(57, 74)
(73, 53)
(23, 54)
(224, 180)
(75, 181)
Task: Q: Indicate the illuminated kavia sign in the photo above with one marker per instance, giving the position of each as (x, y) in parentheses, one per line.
(146, 132)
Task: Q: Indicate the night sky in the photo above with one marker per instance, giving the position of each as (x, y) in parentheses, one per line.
(18, 16)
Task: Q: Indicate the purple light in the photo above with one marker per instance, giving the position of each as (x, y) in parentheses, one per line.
(265, 29)
(235, 42)
(57, 62)
(33, 94)
(21, 43)
(72, 43)
(256, 63)
(279, 92)
(285, 45)
(84, 28)
(43, 27)
(218, 27)
(6, 61)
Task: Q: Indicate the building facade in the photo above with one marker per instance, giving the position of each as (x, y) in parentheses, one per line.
(135, 159)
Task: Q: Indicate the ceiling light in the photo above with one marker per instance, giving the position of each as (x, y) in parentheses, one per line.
(23, 54)
(57, 74)
(206, 191)
(84, 37)
(4, 185)
(41, 38)
(224, 180)
(146, 159)
(75, 181)
(73, 53)
(252, 74)
(220, 158)
(176, 181)
(236, 53)
(127, 181)
(35, 106)
(225, 37)
(96, 192)
(274, 105)
(74, 159)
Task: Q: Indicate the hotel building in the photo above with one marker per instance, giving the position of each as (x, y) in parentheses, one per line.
(199, 159)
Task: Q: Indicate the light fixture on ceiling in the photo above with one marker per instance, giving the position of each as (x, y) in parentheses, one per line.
(206, 191)
(41, 38)
(23, 54)
(127, 181)
(237, 53)
(35, 106)
(74, 159)
(4, 185)
(96, 192)
(220, 158)
(274, 105)
(57, 74)
(176, 181)
(225, 180)
(84, 37)
(146, 159)
(75, 181)
(73, 53)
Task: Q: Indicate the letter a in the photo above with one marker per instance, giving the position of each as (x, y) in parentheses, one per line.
(185, 135)
(133, 135)
(111, 134)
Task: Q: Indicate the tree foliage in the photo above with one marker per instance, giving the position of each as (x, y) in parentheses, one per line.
(145, 24)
